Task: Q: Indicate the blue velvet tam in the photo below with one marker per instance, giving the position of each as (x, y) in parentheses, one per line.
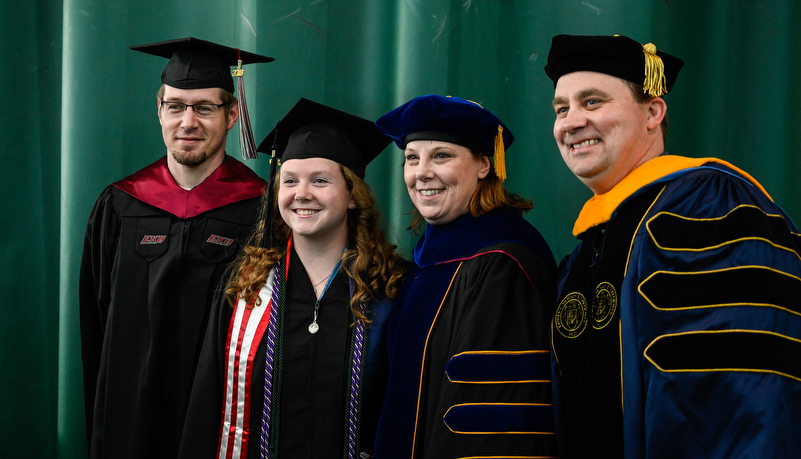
(615, 55)
(449, 119)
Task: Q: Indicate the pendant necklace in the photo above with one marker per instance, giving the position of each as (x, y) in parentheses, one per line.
(314, 287)
(314, 327)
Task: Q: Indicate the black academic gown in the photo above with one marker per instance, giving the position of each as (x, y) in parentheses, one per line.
(468, 344)
(312, 413)
(153, 256)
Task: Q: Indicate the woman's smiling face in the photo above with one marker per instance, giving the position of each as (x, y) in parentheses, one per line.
(441, 178)
(313, 198)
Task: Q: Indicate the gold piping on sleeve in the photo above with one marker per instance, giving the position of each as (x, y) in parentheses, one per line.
(495, 433)
(722, 244)
(717, 332)
(720, 305)
(485, 352)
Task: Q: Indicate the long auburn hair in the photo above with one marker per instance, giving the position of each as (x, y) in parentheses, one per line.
(370, 260)
(489, 194)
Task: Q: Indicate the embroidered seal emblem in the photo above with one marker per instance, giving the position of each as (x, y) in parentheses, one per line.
(604, 305)
(571, 315)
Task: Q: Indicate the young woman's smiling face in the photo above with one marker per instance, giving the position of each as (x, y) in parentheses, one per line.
(313, 198)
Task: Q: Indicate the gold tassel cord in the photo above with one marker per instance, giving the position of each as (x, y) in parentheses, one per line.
(500, 155)
(655, 83)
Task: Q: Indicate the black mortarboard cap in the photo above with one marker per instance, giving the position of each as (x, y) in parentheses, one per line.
(449, 119)
(616, 55)
(198, 64)
(314, 130)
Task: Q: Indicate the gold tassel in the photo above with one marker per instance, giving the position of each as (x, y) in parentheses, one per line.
(246, 141)
(654, 83)
(500, 155)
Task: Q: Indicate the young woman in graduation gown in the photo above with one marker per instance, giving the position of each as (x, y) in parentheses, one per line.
(297, 367)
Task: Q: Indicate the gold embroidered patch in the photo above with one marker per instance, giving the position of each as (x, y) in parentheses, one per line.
(571, 315)
(604, 305)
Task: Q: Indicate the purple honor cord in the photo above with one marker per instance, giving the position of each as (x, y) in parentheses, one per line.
(268, 366)
(355, 388)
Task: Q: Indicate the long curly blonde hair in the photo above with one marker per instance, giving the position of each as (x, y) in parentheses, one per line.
(371, 261)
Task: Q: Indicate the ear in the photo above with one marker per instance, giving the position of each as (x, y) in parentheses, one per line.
(233, 114)
(657, 109)
(158, 109)
(483, 166)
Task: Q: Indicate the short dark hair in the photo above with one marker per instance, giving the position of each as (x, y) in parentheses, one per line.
(642, 97)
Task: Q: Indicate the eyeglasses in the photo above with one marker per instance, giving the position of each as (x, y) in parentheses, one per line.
(176, 109)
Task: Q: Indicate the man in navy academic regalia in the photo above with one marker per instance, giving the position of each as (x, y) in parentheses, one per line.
(678, 324)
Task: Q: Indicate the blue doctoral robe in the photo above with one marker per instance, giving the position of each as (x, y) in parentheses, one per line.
(678, 326)
(468, 344)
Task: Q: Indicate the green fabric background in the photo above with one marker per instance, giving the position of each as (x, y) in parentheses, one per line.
(79, 112)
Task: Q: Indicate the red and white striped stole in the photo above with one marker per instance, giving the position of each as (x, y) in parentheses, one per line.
(245, 332)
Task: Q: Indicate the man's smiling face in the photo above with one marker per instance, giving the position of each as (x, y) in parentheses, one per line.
(602, 132)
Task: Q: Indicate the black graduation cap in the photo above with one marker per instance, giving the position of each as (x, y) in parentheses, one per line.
(449, 119)
(616, 55)
(198, 64)
(314, 130)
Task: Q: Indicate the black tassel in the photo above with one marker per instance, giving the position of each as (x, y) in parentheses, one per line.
(246, 141)
(268, 238)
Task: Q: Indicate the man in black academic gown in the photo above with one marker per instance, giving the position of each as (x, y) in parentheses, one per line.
(156, 246)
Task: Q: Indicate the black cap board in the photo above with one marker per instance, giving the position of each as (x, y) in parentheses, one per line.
(616, 55)
(198, 64)
(313, 130)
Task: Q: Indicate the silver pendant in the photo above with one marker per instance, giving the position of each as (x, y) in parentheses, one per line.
(313, 327)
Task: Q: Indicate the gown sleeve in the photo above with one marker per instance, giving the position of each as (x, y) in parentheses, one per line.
(711, 325)
(204, 413)
(94, 292)
(490, 360)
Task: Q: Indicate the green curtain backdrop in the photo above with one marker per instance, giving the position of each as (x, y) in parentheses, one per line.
(79, 112)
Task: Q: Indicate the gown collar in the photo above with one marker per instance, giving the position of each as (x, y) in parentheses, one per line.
(231, 182)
